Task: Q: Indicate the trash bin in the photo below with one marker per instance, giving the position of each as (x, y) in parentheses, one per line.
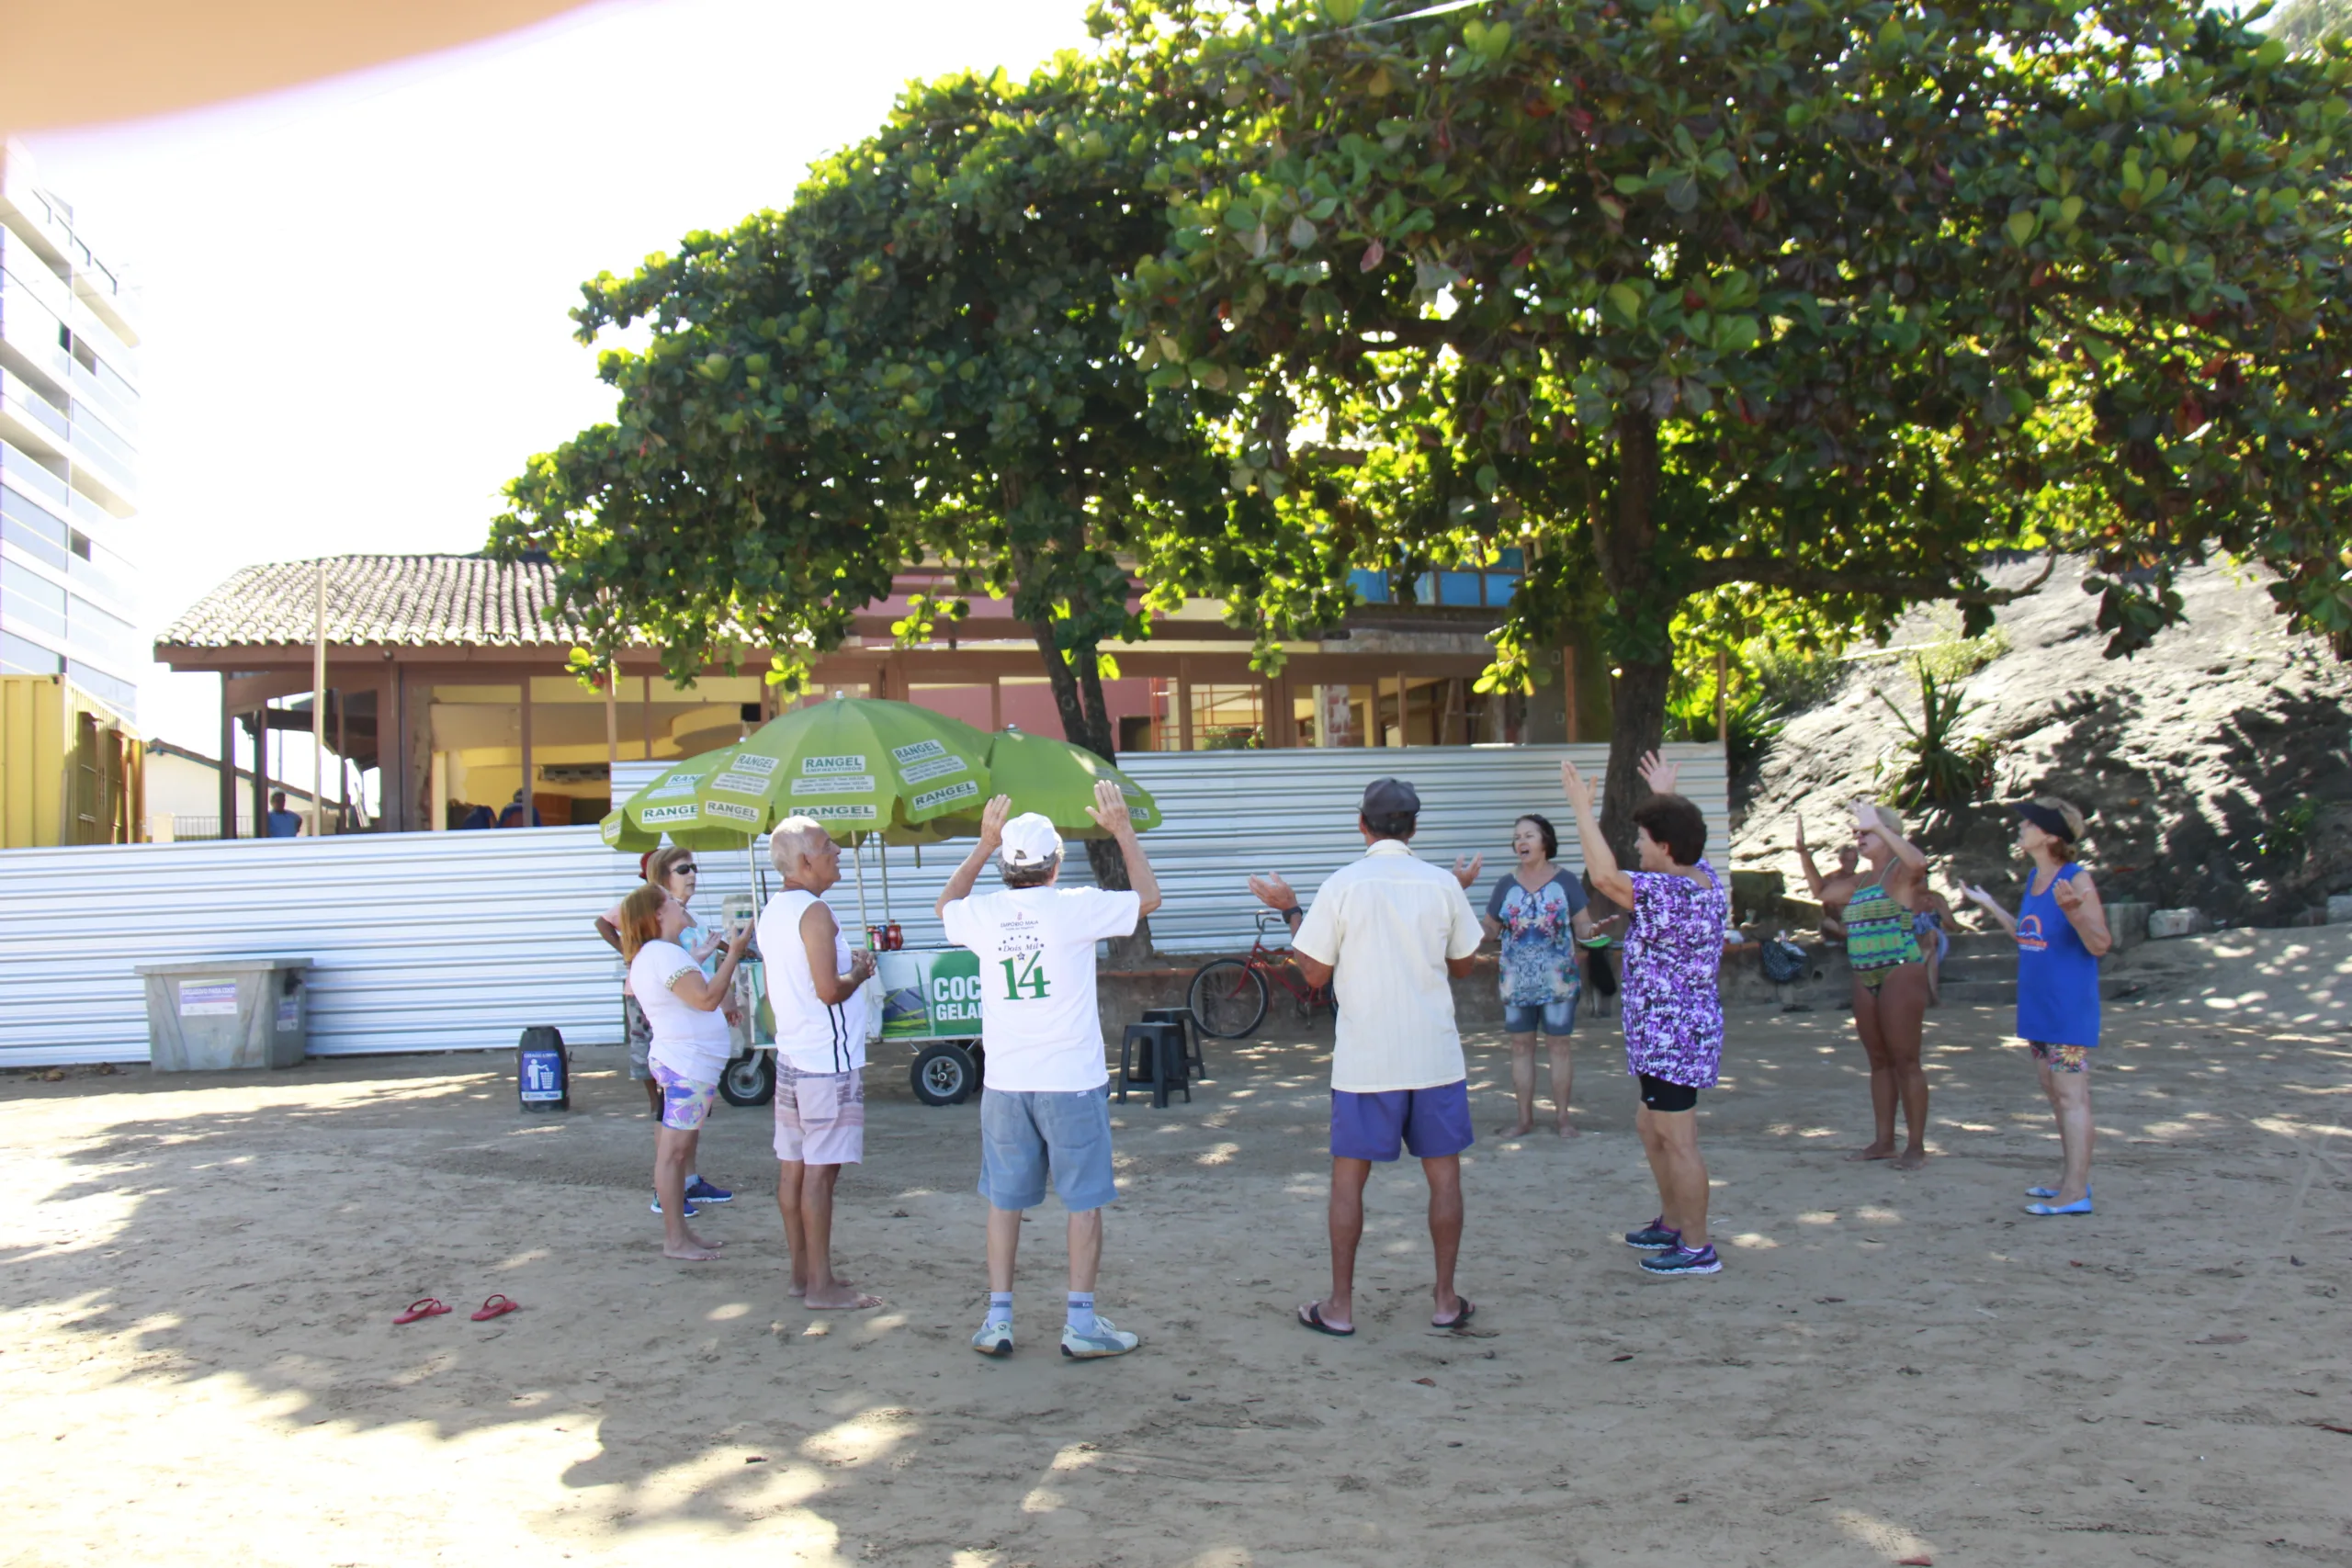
(217, 1015)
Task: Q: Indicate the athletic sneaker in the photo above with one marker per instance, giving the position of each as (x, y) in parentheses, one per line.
(1655, 1236)
(701, 1191)
(1106, 1341)
(994, 1339)
(691, 1210)
(1682, 1261)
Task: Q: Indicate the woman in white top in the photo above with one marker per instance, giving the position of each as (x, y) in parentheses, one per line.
(691, 1044)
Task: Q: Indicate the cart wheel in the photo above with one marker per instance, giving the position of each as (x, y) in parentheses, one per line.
(1227, 998)
(944, 1075)
(750, 1079)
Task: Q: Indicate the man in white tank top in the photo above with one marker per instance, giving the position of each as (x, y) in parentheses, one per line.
(815, 990)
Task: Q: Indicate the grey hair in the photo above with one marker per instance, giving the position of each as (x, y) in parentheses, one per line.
(1035, 876)
(788, 843)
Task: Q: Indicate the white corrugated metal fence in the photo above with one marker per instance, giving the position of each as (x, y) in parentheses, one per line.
(461, 940)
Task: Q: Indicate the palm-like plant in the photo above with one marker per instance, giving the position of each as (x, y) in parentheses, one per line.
(1942, 770)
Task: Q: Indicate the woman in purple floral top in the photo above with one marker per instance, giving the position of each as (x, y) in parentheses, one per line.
(1674, 1017)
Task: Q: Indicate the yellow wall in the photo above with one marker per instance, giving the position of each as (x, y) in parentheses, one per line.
(47, 780)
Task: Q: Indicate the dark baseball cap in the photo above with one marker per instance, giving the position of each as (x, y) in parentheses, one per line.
(1389, 798)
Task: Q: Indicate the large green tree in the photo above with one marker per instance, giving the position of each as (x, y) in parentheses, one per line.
(918, 361)
(1832, 303)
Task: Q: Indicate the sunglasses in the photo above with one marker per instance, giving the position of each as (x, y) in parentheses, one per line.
(685, 871)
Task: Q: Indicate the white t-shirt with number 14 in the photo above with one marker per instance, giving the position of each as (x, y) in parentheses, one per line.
(1035, 946)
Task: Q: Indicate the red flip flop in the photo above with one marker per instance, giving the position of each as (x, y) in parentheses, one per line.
(497, 1306)
(426, 1307)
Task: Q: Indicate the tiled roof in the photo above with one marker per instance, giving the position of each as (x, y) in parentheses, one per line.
(407, 601)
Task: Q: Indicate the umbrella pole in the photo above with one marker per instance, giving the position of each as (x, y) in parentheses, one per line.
(882, 858)
(858, 852)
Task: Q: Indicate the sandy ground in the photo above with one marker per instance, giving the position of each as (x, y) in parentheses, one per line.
(197, 1363)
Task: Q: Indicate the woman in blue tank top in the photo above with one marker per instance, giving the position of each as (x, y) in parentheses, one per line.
(2061, 930)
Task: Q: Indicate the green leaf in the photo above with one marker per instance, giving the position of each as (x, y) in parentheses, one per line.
(1301, 234)
(2020, 227)
(1627, 302)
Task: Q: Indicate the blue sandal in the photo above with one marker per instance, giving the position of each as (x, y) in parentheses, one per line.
(2043, 1210)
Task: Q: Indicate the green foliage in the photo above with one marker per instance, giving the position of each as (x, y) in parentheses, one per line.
(1944, 769)
(919, 360)
(2287, 835)
(1830, 300)
(2307, 24)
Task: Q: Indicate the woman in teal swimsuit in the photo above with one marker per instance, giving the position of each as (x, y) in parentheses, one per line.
(1890, 981)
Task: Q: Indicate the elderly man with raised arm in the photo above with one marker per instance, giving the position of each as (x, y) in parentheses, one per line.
(821, 1027)
(1389, 934)
(1044, 1106)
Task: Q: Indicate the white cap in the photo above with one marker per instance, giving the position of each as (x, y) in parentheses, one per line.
(1030, 839)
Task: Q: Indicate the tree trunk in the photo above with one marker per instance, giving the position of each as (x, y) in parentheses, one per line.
(1643, 639)
(1076, 682)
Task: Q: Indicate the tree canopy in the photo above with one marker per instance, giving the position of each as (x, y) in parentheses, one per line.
(1829, 301)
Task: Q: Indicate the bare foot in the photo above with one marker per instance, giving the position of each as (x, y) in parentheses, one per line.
(1911, 1159)
(1876, 1151)
(692, 1252)
(708, 1246)
(840, 1297)
(797, 1289)
(1566, 1131)
(1516, 1128)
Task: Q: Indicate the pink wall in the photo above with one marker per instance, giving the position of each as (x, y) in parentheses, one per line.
(1030, 706)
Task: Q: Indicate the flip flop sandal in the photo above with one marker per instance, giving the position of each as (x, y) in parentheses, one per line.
(424, 1307)
(497, 1306)
(1463, 1313)
(1311, 1316)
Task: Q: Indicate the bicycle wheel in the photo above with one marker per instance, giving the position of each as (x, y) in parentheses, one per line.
(1227, 998)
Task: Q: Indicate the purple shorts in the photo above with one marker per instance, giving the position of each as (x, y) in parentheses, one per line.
(1428, 1123)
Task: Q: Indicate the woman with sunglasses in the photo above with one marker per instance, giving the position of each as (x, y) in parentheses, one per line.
(1889, 982)
(673, 870)
(691, 1044)
(2061, 932)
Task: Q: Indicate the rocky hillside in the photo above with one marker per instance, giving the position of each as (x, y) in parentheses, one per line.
(2215, 769)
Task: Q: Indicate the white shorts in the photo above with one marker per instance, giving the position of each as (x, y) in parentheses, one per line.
(820, 1117)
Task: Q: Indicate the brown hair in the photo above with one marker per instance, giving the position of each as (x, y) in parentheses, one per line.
(1676, 823)
(641, 917)
(665, 860)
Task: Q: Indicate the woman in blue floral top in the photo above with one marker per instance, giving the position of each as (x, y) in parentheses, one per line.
(1674, 1016)
(1538, 910)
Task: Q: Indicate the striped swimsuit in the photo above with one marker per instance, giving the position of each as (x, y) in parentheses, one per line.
(1878, 935)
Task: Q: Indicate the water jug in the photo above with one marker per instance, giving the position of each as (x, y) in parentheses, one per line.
(542, 1070)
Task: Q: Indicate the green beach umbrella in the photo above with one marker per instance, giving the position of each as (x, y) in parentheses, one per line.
(857, 764)
(1048, 776)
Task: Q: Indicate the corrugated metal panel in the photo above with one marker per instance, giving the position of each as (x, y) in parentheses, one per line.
(1234, 813)
(420, 940)
(442, 942)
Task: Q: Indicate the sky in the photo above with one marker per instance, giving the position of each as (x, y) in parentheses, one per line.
(355, 292)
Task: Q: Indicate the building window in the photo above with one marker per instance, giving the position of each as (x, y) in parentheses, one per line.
(1228, 718)
(1491, 588)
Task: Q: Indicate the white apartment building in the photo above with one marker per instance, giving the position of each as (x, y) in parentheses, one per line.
(69, 441)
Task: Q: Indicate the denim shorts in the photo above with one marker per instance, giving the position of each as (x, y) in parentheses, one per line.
(1558, 1018)
(1027, 1134)
(1428, 1123)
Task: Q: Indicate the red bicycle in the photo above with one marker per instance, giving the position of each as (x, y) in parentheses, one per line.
(1229, 995)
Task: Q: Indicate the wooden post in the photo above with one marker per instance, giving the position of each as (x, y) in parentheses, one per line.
(318, 709)
(228, 763)
(260, 721)
(1569, 689)
(342, 760)
(996, 702)
(645, 715)
(1184, 706)
(613, 721)
(527, 791)
(1723, 704)
(1403, 708)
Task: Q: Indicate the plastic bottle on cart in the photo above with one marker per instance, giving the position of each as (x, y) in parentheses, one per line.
(894, 940)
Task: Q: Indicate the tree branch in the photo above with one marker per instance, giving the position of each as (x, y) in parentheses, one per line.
(1766, 573)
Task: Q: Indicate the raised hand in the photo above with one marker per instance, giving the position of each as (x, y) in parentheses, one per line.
(1573, 784)
(1975, 895)
(1273, 892)
(1658, 773)
(1110, 808)
(1467, 872)
(993, 817)
(1802, 848)
(2069, 897)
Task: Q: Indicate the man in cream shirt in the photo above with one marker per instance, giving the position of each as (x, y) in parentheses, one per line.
(1389, 933)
